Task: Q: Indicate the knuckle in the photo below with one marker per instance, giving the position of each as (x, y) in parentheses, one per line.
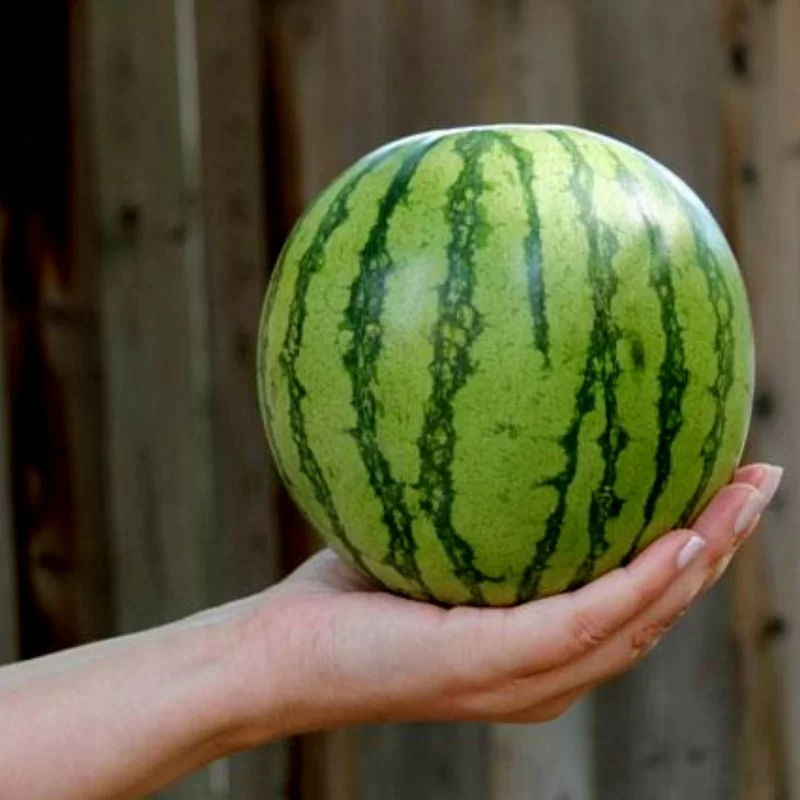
(646, 594)
(489, 705)
(644, 639)
(643, 593)
(586, 632)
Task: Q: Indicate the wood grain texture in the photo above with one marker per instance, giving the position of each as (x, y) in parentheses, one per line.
(397, 762)
(154, 317)
(431, 74)
(76, 343)
(244, 550)
(51, 340)
(654, 75)
(554, 761)
(157, 360)
(8, 588)
(530, 73)
(352, 74)
(529, 63)
(229, 66)
(764, 156)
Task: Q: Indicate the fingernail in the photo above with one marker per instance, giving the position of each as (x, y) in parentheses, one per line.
(652, 646)
(690, 551)
(770, 481)
(756, 502)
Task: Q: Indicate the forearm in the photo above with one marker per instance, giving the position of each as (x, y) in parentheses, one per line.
(122, 718)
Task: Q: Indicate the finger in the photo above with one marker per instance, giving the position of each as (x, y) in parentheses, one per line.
(549, 633)
(556, 630)
(543, 712)
(718, 525)
(764, 477)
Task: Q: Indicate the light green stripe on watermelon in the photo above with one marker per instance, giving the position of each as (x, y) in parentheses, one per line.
(457, 328)
(720, 272)
(362, 321)
(673, 376)
(418, 240)
(640, 349)
(601, 367)
(533, 242)
(274, 322)
(509, 378)
(309, 265)
(721, 302)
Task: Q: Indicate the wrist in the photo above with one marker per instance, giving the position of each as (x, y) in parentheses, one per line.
(127, 716)
(254, 676)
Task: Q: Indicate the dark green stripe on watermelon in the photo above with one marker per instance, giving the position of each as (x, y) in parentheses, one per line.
(363, 322)
(311, 263)
(719, 294)
(265, 380)
(601, 370)
(458, 326)
(533, 243)
(673, 377)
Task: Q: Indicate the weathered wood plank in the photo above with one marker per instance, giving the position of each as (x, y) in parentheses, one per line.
(761, 774)
(763, 137)
(553, 761)
(244, 550)
(154, 315)
(530, 74)
(762, 763)
(352, 75)
(529, 62)
(429, 78)
(300, 161)
(654, 74)
(230, 92)
(8, 589)
(315, 135)
(74, 335)
(423, 760)
(32, 205)
(53, 388)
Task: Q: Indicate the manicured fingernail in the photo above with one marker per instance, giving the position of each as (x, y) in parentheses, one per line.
(770, 481)
(755, 503)
(690, 551)
(652, 646)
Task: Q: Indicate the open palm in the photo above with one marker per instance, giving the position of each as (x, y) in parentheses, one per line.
(357, 654)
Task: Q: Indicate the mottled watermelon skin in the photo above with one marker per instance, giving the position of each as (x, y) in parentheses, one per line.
(497, 362)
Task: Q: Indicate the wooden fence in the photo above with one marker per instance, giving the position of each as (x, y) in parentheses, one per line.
(156, 153)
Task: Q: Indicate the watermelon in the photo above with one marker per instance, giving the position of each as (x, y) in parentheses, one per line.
(496, 362)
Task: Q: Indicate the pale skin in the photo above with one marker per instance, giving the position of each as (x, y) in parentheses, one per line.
(123, 718)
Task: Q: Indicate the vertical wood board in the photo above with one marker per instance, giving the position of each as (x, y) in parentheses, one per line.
(530, 73)
(8, 590)
(764, 144)
(654, 75)
(154, 314)
(244, 550)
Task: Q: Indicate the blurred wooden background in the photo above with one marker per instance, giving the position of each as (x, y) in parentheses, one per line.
(153, 155)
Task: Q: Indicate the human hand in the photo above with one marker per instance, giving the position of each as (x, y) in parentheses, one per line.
(345, 652)
(322, 648)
